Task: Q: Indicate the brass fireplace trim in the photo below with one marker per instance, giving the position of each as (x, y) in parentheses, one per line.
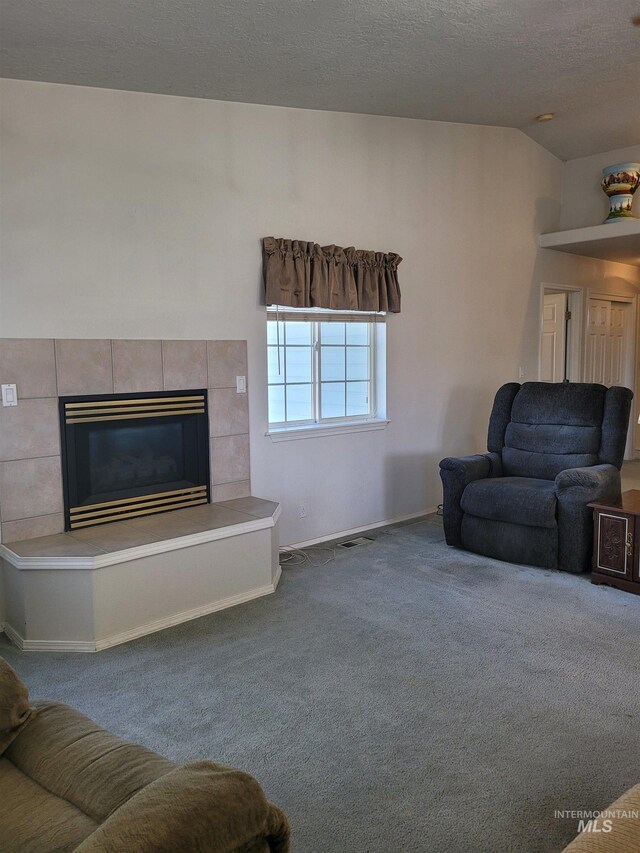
(84, 516)
(134, 401)
(141, 407)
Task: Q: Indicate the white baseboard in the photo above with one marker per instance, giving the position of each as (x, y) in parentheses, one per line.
(48, 645)
(142, 630)
(352, 531)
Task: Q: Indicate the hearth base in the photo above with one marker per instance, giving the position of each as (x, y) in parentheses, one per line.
(64, 593)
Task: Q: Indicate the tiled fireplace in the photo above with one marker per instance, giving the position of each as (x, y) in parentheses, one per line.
(44, 370)
(159, 424)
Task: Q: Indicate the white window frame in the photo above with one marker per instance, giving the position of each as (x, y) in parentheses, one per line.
(376, 418)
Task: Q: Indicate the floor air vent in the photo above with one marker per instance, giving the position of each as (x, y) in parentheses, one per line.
(351, 543)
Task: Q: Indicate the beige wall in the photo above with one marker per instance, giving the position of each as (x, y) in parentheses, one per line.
(133, 215)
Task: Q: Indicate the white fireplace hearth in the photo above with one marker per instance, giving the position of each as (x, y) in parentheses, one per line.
(95, 588)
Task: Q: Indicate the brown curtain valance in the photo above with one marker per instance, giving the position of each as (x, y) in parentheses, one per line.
(298, 274)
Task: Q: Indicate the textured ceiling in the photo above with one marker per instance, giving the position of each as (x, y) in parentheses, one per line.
(497, 62)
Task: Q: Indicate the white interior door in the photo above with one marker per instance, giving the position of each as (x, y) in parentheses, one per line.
(598, 327)
(610, 346)
(608, 342)
(619, 337)
(554, 337)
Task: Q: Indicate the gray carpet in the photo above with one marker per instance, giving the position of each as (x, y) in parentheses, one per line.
(404, 697)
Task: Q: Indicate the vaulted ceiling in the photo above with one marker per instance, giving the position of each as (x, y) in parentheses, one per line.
(492, 62)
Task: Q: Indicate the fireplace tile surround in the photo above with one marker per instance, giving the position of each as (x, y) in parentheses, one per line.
(137, 366)
(44, 369)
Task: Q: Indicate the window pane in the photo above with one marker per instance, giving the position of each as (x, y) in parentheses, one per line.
(357, 362)
(276, 404)
(298, 332)
(272, 331)
(299, 364)
(332, 400)
(358, 333)
(273, 375)
(299, 403)
(324, 370)
(332, 333)
(332, 363)
(357, 398)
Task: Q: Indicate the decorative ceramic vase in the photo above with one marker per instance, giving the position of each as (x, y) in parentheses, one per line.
(619, 183)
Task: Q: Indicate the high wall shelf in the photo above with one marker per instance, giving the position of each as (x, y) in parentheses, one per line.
(613, 241)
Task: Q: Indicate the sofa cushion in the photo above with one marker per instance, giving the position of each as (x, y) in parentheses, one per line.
(553, 427)
(76, 759)
(556, 439)
(15, 711)
(524, 463)
(33, 820)
(515, 500)
(570, 403)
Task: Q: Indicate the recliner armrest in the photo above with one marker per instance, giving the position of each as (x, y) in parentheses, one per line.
(456, 472)
(602, 480)
(575, 489)
(475, 467)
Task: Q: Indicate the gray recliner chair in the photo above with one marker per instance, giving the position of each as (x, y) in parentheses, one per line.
(553, 448)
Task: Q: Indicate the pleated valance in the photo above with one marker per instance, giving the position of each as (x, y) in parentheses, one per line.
(298, 274)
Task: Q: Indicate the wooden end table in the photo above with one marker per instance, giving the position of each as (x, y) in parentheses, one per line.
(616, 542)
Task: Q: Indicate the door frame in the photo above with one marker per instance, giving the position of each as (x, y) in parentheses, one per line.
(576, 337)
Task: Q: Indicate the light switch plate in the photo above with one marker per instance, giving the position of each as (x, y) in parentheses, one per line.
(241, 384)
(9, 395)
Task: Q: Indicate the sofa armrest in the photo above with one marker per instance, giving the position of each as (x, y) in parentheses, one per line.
(15, 711)
(617, 831)
(456, 472)
(575, 489)
(78, 761)
(199, 806)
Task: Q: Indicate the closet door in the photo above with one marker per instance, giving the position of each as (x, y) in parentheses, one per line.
(608, 340)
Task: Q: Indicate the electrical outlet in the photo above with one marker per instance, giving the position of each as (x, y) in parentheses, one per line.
(521, 372)
(302, 511)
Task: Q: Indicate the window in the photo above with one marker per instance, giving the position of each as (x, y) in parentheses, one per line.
(323, 367)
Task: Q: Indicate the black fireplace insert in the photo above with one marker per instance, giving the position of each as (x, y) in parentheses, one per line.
(129, 455)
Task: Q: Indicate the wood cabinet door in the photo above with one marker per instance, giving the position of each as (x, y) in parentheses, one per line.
(614, 545)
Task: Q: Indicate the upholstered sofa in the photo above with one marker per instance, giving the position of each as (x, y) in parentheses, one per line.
(552, 449)
(68, 785)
